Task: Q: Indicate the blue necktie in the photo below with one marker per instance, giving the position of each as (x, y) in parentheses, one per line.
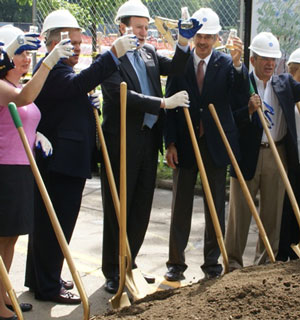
(139, 64)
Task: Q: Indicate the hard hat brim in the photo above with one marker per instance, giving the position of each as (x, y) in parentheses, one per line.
(265, 53)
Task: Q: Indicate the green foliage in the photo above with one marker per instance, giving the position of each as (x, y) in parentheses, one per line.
(281, 17)
(11, 11)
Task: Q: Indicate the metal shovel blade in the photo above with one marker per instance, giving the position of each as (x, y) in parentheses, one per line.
(296, 249)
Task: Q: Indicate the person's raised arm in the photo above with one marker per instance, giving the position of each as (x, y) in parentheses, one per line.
(33, 87)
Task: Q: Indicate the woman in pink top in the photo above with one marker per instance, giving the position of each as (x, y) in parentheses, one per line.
(16, 179)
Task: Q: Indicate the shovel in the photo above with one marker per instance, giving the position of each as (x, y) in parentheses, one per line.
(135, 282)
(289, 190)
(120, 299)
(52, 215)
(9, 289)
(243, 184)
(207, 191)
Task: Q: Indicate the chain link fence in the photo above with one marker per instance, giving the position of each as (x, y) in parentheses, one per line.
(97, 16)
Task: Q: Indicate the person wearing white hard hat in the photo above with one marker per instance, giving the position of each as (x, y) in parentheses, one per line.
(289, 231)
(278, 94)
(16, 179)
(210, 77)
(68, 121)
(141, 70)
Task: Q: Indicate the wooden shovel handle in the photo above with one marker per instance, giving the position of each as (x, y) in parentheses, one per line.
(116, 299)
(207, 191)
(131, 283)
(280, 167)
(9, 289)
(52, 215)
(298, 106)
(243, 184)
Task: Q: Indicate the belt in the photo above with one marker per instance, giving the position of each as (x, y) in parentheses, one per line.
(267, 144)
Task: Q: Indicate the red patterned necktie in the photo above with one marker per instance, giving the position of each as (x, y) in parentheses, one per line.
(200, 75)
(200, 80)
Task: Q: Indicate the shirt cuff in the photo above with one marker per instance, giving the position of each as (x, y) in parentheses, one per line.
(238, 69)
(116, 60)
(183, 48)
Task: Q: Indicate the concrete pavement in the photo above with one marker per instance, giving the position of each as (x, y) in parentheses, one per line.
(86, 252)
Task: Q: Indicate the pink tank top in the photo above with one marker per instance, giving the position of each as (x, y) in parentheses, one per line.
(11, 147)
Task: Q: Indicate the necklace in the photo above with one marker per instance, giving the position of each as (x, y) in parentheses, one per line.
(10, 82)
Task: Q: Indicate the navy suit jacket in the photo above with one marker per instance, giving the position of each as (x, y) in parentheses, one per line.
(137, 103)
(221, 79)
(67, 115)
(287, 91)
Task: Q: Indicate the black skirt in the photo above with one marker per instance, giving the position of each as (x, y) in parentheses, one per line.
(16, 200)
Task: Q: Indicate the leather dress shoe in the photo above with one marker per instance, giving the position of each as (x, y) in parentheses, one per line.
(14, 317)
(149, 278)
(68, 285)
(174, 274)
(23, 306)
(65, 297)
(111, 285)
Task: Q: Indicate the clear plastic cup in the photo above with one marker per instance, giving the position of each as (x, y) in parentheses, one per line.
(33, 29)
(64, 35)
(186, 23)
(229, 43)
(128, 30)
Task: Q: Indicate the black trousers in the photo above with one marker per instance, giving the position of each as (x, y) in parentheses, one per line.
(45, 258)
(184, 180)
(289, 231)
(142, 157)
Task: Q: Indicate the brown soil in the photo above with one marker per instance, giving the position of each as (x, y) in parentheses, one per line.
(258, 292)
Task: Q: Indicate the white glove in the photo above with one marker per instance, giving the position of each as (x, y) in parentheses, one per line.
(179, 99)
(42, 143)
(95, 99)
(22, 43)
(124, 44)
(63, 49)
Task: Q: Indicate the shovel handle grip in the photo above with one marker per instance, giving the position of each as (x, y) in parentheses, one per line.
(15, 115)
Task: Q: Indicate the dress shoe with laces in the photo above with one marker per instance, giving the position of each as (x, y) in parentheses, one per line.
(111, 285)
(174, 274)
(65, 297)
(14, 317)
(23, 306)
(68, 285)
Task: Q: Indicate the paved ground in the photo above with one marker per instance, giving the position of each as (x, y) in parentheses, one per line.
(86, 251)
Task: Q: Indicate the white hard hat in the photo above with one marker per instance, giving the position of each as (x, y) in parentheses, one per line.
(294, 57)
(8, 33)
(59, 19)
(265, 44)
(209, 19)
(133, 8)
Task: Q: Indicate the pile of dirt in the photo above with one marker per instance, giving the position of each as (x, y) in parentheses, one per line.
(258, 292)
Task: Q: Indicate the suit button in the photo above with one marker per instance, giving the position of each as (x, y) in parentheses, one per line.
(201, 109)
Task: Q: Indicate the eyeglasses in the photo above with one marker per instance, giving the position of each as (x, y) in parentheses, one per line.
(265, 59)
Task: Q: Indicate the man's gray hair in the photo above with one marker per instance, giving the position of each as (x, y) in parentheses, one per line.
(53, 35)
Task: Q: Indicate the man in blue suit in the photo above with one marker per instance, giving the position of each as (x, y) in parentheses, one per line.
(279, 93)
(68, 120)
(209, 77)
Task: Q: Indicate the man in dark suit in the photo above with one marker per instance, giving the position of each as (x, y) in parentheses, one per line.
(141, 71)
(67, 118)
(210, 76)
(289, 231)
(279, 94)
